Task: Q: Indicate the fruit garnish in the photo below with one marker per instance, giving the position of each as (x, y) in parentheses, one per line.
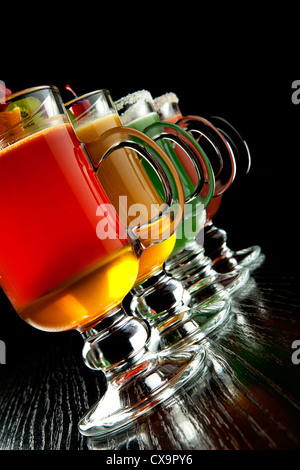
(8, 119)
(17, 111)
(26, 105)
(68, 88)
(78, 108)
(3, 93)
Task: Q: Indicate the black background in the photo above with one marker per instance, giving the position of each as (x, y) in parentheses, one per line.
(221, 62)
(250, 87)
(253, 91)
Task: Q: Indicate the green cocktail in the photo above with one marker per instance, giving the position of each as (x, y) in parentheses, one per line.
(183, 295)
(136, 111)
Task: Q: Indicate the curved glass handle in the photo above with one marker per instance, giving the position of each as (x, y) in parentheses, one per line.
(239, 145)
(163, 224)
(220, 151)
(172, 132)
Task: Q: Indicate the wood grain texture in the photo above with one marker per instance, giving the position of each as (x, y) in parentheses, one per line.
(247, 397)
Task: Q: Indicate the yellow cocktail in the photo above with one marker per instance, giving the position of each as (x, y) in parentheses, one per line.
(123, 174)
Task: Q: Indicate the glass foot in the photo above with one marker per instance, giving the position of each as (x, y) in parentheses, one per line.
(136, 391)
(213, 317)
(188, 328)
(250, 257)
(233, 267)
(194, 270)
(234, 280)
(222, 256)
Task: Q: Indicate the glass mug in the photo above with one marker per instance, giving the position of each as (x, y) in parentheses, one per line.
(225, 261)
(57, 268)
(92, 114)
(208, 304)
(229, 274)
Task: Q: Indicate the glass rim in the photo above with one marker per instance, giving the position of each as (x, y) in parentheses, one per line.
(169, 97)
(133, 98)
(103, 91)
(29, 90)
(19, 94)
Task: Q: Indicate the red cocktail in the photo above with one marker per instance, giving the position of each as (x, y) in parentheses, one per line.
(51, 258)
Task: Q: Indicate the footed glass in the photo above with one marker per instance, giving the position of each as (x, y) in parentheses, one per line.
(124, 175)
(67, 260)
(252, 256)
(163, 299)
(234, 160)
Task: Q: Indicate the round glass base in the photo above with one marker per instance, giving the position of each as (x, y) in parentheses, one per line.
(188, 328)
(194, 271)
(136, 391)
(223, 258)
(250, 257)
(234, 280)
(212, 318)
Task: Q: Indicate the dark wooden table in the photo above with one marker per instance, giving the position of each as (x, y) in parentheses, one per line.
(247, 397)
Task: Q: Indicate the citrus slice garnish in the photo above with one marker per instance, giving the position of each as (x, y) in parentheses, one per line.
(9, 119)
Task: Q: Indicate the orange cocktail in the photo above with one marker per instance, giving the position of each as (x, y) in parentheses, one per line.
(123, 174)
(55, 270)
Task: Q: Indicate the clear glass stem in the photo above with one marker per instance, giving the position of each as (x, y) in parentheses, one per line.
(194, 270)
(224, 259)
(175, 322)
(116, 342)
(137, 379)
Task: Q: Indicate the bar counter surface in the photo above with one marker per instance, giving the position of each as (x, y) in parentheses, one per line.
(247, 397)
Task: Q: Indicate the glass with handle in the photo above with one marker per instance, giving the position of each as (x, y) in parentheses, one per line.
(62, 271)
(236, 162)
(155, 297)
(229, 273)
(165, 306)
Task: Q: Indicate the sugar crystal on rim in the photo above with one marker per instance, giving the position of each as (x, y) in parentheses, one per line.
(130, 104)
(166, 98)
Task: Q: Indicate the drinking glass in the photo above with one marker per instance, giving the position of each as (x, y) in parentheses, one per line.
(154, 298)
(252, 256)
(63, 268)
(163, 300)
(225, 260)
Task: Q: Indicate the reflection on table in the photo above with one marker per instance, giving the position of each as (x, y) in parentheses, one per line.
(246, 397)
